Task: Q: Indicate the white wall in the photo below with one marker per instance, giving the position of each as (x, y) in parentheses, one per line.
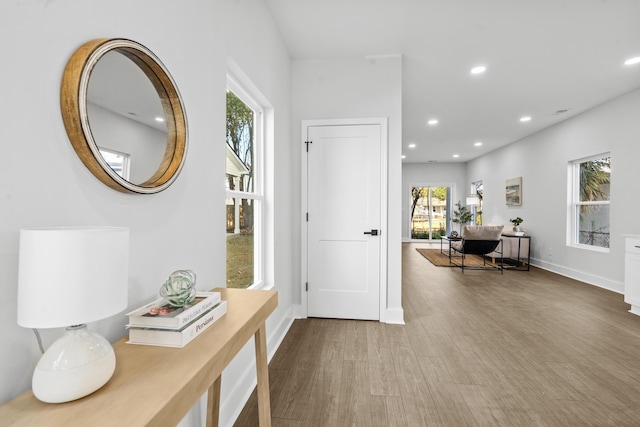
(355, 88)
(431, 174)
(43, 183)
(542, 160)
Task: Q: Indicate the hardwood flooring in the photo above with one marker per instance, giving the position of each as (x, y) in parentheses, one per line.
(479, 349)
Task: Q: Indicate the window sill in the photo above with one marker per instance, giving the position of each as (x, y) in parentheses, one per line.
(589, 248)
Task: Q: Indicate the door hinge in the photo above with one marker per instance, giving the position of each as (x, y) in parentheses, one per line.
(306, 286)
(308, 142)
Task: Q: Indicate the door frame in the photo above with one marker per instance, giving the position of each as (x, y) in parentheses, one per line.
(384, 202)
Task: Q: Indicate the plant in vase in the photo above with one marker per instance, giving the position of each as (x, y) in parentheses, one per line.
(516, 224)
(462, 215)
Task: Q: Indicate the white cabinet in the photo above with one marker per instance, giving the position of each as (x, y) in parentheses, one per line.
(632, 273)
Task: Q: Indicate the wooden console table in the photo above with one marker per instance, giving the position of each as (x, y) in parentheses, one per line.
(157, 386)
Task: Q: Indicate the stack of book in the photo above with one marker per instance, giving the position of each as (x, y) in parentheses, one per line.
(159, 323)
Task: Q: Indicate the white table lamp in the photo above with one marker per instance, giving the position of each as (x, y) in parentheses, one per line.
(67, 277)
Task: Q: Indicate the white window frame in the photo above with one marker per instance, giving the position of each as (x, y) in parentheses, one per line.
(257, 196)
(574, 204)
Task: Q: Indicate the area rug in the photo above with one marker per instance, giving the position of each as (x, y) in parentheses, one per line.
(439, 259)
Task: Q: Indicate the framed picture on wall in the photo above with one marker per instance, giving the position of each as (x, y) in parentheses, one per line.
(513, 191)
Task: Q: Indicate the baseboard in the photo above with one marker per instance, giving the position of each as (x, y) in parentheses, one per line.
(299, 312)
(591, 279)
(234, 402)
(394, 316)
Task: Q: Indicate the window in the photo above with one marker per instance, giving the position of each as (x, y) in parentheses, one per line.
(590, 202)
(477, 190)
(244, 190)
(429, 212)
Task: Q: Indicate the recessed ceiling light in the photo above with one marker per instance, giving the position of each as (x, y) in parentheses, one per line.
(632, 61)
(159, 119)
(479, 69)
(403, 157)
(412, 145)
(525, 119)
(478, 144)
(456, 156)
(432, 122)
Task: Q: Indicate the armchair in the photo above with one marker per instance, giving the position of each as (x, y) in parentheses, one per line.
(482, 241)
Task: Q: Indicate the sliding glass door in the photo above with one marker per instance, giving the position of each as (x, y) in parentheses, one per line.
(429, 207)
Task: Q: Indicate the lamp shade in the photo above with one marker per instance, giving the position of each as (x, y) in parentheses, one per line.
(72, 275)
(473, 200)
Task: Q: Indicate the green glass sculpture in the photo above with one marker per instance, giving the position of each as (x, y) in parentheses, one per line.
(180, 288)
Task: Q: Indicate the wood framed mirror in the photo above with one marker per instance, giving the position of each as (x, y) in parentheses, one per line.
(124, 115)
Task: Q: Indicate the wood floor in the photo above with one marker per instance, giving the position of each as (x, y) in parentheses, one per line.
(479, 349)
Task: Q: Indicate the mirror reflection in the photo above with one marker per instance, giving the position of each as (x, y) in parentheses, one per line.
(126, 117)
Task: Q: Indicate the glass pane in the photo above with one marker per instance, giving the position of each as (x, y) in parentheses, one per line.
(420, 212)
(240, 243)
(593, 226)
(240, 150)
(595, 180)
(239, 177)
(438, 212)
(477, 189)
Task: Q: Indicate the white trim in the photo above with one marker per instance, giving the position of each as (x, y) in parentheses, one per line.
(394, 316)
(590, 279)
(384, 202)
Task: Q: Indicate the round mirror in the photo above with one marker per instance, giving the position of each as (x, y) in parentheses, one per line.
(124, 115)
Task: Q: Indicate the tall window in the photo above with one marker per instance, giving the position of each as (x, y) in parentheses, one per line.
(590, 202)
(244, 189)
(477, 190)
(429, 212)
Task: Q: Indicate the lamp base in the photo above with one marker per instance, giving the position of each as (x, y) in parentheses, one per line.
(77, 364)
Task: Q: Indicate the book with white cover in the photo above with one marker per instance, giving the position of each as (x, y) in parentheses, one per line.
(161, 314)
(177, 337)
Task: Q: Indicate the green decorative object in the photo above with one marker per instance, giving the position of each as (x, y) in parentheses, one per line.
(180, 288)
(516, 224)
(516, 221)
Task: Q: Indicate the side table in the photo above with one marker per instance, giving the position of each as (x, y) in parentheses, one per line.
(519, 250)
(448, 240)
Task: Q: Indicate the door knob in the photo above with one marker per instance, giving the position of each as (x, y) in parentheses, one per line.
(372, 232)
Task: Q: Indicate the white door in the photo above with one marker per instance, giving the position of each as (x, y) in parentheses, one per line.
(344, 216)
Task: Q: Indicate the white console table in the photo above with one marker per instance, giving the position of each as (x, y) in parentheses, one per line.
(632, 273)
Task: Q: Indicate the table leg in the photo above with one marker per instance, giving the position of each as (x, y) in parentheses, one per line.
(264, 402)
(213, 403)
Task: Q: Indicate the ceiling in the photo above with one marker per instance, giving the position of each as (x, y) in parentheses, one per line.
(542, 57)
